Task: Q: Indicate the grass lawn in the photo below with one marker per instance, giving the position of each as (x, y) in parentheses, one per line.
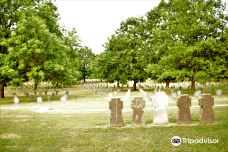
(23, 129)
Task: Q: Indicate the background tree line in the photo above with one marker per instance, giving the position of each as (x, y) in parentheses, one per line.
(179, 40)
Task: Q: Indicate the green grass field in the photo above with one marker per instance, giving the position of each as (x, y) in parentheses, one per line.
(25, 128)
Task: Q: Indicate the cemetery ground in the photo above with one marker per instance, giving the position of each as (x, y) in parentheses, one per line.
(82, 124)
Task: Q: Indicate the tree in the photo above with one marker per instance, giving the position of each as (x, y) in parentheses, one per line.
(159, 41)
(35, 53)
(35, 47)
(8, 20)
(193, 32)
(72, 43)
(100, 68)
(198, 23)
(85, 60)
(126, 52)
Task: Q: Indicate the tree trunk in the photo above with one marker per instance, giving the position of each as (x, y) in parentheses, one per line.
(2, 85)
(167, 84)
(84, 73)
(35, 88)
(193, 85)
(134, 85)
(118, 84)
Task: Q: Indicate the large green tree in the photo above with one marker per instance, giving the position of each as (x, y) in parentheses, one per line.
(192, 46)
(159, 41)
(36, 48)
(8, 20)
(126, 53)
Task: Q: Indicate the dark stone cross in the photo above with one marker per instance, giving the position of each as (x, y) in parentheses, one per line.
(184, 115)
(206, 101)
(116, 106)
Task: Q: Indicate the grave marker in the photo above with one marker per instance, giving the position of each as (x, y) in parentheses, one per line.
(116, 106)
(137, 104)
(206, 101)
(15, 99)
(160, 104)
(184, 115)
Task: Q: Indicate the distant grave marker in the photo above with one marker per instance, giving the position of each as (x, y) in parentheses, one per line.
(174, 96)
(197, 94)
(63, 99)
(9, 91)
(49, 96)
(31, 97)
(127, 96)
(178, 93)
(219, 92)
(15, 99)
(39, 100)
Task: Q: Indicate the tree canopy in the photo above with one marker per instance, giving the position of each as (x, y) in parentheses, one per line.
(34, 47)
(178, 40)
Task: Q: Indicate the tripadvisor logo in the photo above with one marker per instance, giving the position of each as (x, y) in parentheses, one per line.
(176, 141)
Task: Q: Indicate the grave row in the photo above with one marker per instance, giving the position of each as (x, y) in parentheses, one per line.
(206, 101)
(63, 98)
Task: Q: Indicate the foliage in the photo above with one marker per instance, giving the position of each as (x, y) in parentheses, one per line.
(176, 41)
(189, 41)
(85, 62)
(33, 47)
(123, 53)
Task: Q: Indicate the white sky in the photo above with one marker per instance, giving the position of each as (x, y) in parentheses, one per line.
(96, 20)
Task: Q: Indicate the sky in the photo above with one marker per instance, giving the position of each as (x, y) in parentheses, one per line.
(96, 20)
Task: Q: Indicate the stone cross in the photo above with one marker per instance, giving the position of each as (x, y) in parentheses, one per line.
(137, 105)
(184, 115)
(206, 101)
(116, 106)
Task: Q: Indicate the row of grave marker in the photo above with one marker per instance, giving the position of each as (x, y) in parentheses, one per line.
(101, 88)
(63, 98)
(206, 103)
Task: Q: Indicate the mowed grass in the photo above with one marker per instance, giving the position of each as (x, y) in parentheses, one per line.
(23, 130)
